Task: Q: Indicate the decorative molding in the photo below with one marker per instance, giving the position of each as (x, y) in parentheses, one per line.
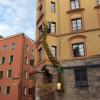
(75, 10)
(97, 7)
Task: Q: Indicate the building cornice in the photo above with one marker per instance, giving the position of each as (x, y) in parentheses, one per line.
(73, 33)
(97, 7)
(66, 34)
(82, 58)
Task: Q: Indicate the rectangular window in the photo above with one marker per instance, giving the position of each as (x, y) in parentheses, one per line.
(75, 4)
(32, 62)
(78, 50)
(32, 53)
(25, 75)
(47, 76)
(2, 60)
(54, 51)
(27, 48)
(24, 91)
(30, 91)
(11, 59)
(8, 90)
(31, 76)
(53, 27)
(81, 77)
(9, 73)
(99, 2)
(4, 48)
(26, 60)
(1, 74)
(13, 45)
(0, 89)
(77, 24)
(52, 6)
(49, 27)
(40, 54)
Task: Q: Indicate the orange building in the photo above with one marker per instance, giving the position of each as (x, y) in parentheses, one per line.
(16, 67)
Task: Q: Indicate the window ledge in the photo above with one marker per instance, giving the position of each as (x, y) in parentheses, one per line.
(81, 86)
(97, 7)
(79, 58)
(75, 10)
(77, 31)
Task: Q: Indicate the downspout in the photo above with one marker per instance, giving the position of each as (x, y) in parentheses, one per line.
(59, 39)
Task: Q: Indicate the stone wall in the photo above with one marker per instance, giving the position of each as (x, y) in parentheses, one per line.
(92, 91)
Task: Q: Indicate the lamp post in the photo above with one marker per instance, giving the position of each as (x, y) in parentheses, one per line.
(59, 86)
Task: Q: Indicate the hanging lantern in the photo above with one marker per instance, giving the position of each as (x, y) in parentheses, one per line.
(59, 85)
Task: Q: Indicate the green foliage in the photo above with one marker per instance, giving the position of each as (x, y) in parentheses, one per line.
(54, 61)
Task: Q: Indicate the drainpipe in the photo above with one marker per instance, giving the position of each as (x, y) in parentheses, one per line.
(59, 38)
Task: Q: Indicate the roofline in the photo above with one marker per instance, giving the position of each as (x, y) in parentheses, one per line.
(29, 38)
(15, 35)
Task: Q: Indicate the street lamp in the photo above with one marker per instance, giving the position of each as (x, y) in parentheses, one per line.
(59, 85)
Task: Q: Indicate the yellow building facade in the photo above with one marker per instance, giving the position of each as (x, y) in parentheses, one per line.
(90, 26)
(73, 38)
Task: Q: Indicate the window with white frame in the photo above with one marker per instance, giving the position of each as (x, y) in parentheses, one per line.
(53, 27)
(24, 91)
(4, 48)
(78, 50)
(52, 6)
(25, 75)
(26, 60)
(99, 2)
(54, 51)
(13, 45)
(7, 90)
(75, 4)
(76, 24)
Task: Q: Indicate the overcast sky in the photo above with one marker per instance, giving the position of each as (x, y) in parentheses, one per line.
(18, 16)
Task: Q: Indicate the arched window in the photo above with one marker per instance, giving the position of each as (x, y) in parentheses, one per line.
(78, 46)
